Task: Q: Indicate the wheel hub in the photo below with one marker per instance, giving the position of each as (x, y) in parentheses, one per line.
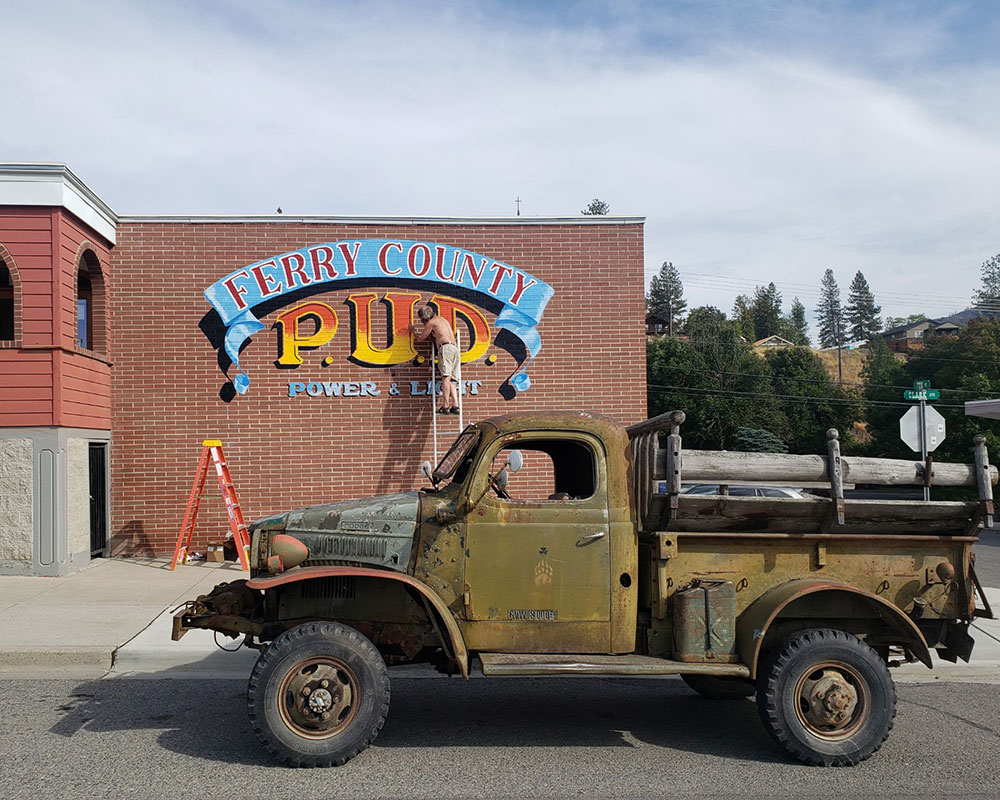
(828, 700)
(317, 698)
(320, 701)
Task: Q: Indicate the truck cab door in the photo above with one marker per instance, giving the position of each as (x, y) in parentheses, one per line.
(538, 561)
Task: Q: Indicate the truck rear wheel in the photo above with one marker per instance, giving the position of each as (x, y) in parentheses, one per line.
(318, 695)
(716, 688)
(826, 697)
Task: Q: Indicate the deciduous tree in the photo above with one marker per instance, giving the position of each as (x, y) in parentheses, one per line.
(714, 376)
(766, 311)
(742, 317)
(809, 400)
(989, 293)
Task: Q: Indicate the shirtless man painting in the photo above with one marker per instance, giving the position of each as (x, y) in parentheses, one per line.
(448, 355)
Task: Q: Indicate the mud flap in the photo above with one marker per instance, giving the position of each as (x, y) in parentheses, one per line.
(957, 643)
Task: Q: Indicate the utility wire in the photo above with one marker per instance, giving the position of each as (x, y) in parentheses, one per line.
(667, 389)
(827, 382)
(724, 281)
(915, 356)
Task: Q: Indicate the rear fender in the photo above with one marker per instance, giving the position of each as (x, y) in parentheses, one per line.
(754, 623)
(451, 629)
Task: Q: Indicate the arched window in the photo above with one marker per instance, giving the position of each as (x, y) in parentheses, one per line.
(6, 304)
(90, 303)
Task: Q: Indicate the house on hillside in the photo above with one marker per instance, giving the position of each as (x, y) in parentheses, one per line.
(912, 335)
(656, 325)
(773, 341)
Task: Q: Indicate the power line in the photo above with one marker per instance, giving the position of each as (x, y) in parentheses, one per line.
(743, 286)
(827, 382)
(726, 281)
(915, 356)
(811, 398)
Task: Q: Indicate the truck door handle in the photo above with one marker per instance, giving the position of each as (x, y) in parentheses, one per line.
(588, 538)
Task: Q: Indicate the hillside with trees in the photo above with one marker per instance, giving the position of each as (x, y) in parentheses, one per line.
(783, 399)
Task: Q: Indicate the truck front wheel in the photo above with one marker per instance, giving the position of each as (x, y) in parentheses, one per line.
(318, 695)
(826, 697)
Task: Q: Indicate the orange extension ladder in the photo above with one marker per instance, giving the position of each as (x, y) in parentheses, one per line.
(212, 451)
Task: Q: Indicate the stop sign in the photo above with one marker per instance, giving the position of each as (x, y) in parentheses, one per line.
(934, 428)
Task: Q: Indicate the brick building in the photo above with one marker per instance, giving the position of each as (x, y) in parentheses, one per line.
(285, 337)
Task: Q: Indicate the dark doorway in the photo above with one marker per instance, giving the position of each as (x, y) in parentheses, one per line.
(98, 499)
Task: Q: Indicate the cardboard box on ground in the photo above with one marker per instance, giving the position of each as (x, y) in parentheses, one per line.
(222, 550)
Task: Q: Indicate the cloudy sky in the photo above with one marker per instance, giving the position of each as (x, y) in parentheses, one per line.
(762, 141)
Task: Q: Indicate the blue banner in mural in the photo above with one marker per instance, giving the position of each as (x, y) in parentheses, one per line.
(234, 297)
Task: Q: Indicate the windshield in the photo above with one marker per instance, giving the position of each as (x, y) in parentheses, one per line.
(459, 450)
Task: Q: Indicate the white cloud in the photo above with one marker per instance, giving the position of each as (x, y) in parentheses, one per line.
(762, 166)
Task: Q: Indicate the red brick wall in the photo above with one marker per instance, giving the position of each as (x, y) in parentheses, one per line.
(287, 452)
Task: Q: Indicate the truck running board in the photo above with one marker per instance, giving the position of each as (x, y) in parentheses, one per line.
(498, 664)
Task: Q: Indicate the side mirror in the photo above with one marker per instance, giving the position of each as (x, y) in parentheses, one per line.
(515, 460)
(425, 469)
(501, 480)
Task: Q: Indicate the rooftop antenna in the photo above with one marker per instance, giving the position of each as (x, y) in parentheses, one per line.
(517, 200)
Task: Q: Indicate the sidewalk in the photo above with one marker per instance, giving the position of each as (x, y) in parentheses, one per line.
(114, 619)
(86, 623)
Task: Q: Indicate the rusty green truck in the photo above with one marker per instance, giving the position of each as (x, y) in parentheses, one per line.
(561, 543)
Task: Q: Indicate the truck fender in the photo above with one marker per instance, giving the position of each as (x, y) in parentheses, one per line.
(451, 628)
(754, 623)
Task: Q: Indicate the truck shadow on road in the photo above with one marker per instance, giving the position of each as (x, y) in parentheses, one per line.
(207, 719)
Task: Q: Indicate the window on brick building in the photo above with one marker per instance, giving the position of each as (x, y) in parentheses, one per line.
(6, 304)
(90, 304)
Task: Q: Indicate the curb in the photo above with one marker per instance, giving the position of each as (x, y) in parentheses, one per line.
(64, 656)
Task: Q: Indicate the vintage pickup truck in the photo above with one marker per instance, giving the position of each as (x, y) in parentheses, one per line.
(560, 544)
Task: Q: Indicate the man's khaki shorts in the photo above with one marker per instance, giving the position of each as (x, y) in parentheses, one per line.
(448, 358)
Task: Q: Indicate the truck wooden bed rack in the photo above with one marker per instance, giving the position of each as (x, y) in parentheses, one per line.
(659, 469)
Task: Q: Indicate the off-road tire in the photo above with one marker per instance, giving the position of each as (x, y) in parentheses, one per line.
(356, 692)
(715, 688)
(826, 667)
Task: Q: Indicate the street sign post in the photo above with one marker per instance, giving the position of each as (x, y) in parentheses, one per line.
(922, 428)
(922, 394)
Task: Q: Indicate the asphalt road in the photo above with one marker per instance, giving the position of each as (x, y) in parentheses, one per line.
(483, 738)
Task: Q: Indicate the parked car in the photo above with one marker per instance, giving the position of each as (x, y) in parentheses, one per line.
(740, 491)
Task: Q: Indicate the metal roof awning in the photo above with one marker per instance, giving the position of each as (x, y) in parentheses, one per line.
(983, 408)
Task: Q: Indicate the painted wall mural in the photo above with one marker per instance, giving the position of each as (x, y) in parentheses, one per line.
(253, 291)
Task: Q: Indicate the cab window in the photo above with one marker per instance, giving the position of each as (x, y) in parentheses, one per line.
(555, 470)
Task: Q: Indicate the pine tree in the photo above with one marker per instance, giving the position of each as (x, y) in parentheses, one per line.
(666, 296)
(989, 294)
(796, 328)
(766, 311)
(596, 208)
(830, 318)
(862, 315)
(758, 440)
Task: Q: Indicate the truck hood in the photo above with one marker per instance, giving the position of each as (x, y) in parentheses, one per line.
(375, 530)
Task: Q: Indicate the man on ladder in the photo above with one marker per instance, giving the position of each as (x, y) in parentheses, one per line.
(448, 355)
